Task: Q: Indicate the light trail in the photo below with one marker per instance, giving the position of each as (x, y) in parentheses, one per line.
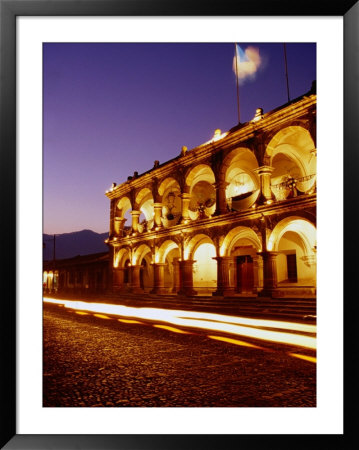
(158, 312)
(175, 330)
(235, 341)
(130, 321)
(102, 316)
(240, 326)
(304, 357)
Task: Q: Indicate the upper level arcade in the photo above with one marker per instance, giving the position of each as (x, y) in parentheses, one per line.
(259, 164)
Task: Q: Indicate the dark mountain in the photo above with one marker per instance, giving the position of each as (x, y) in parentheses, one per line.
(68, 245)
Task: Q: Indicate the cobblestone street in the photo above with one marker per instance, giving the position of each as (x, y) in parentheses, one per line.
(93, 361)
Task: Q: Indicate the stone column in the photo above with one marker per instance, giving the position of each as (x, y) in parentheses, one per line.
(119, 225)
(158, 215)
(135, 279)
(117, 278)
(135, 217)
(221, 201)
(159, 278)
(176, 276)
(185, 199)
(186, 278)
(112, 216)
(226, 275)
(265, 173)
(269, 272)
(257, 273)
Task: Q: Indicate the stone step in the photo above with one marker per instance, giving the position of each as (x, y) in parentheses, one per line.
(263, 310)
(297, 308)
(253, 303)
(219, 302)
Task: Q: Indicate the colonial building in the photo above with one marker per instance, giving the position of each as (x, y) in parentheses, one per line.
(86, 274)
(235, 216)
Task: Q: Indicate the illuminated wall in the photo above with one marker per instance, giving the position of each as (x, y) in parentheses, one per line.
(291, 243)
(205, 268)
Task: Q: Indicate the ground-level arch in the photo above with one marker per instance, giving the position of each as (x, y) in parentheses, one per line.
(202, 251)
(294, 240)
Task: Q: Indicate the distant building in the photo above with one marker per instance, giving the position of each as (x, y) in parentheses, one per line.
(87, 274)
(235, 216)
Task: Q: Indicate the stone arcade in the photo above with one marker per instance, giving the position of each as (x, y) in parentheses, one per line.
(235, 216)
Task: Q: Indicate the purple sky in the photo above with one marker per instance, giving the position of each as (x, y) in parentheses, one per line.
(112, 109)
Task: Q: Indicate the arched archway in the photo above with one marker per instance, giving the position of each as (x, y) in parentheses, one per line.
(164, 250)
(123, 205)
(144, 202)
(170, 193)
(242, 183)
(123, 212)
(168, 255)
(201, 249)
(242, 244)
(142, 260)
(120, 256)
(294, 239)
(235, 236)
(121, 265)
(199, 183)
(140, 252)
(292, 154)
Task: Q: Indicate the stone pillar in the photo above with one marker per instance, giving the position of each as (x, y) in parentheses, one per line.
(176, 276)
(257, 273)
(265, 173)
(135, 217)
(221, 201)
(269, 272)
(186, 278)
(119, 225)
(226, 275)
(158, 215)
(112, 216)
(117, 278)
(159, 278)
(185, 199)
(135, 279)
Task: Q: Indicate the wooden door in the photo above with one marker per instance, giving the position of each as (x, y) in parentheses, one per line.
(245, 274)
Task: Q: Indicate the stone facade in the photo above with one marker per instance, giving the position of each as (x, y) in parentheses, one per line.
(235, 216)
(86, 274)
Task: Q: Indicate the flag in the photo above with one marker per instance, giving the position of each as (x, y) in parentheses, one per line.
(246, 63)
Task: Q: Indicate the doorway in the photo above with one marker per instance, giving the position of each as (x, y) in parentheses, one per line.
(245, 274)
(292, 268)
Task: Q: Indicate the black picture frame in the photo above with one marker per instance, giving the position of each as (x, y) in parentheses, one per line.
(9, 10)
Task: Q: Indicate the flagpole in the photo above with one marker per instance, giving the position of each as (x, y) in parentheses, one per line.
(235, 45)
(286, 69)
